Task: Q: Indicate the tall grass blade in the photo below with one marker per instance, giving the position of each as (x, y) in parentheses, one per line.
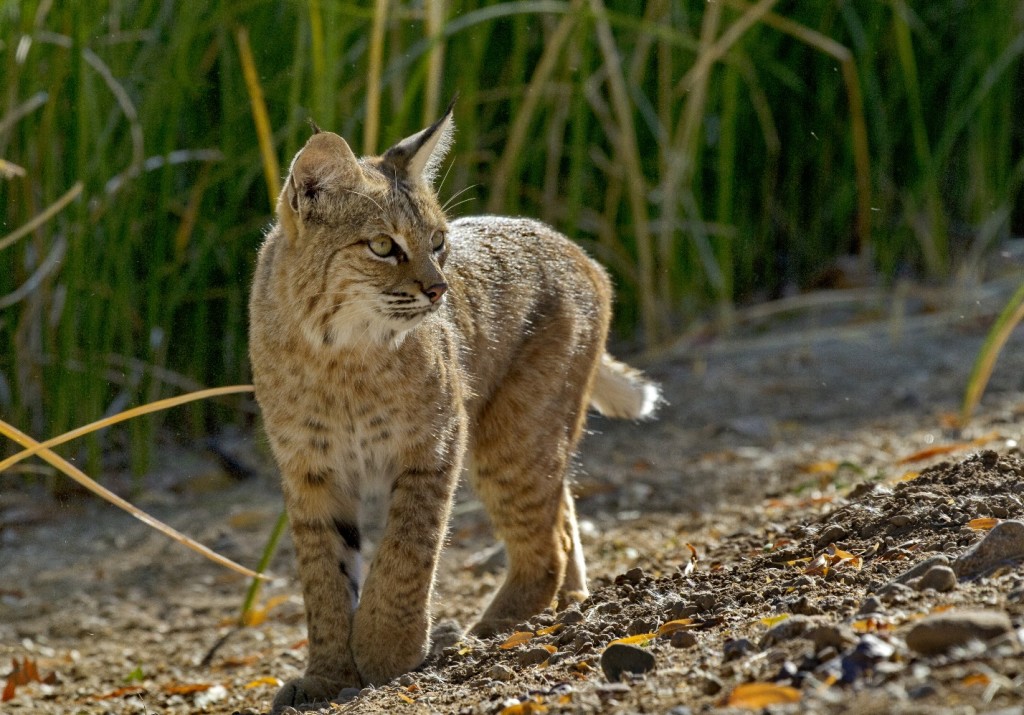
(122, 417)
(44, 216)
(1009, 318)
(271, 169)
(79, 476)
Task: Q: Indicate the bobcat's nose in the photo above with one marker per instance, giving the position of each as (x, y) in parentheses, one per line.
(435, 291)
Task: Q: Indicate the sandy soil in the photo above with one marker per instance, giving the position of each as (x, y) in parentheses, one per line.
(793, 460)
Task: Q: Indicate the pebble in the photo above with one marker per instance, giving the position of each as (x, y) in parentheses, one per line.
(620, 658)
(939, 632)
(634, 575)
(830, 534)
(533, 656)
(1005, 542)
(920, 568)
(791, 628)
(736, 648)
(683, 639)
(501, 672)
(571, 616)
(641, 625)
(828, 635)
(940, 578)
(871, 604)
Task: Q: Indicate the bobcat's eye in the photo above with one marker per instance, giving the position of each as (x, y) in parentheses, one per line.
(437, 240)
(382, 246)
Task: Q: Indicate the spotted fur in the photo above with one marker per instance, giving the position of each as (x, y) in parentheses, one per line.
(391, 349)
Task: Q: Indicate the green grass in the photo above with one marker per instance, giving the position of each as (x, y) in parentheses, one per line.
(709, 153)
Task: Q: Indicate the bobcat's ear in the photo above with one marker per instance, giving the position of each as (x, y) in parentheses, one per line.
(419, 157)
(325, 164)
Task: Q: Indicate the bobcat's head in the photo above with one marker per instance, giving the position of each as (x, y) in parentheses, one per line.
(365, 240)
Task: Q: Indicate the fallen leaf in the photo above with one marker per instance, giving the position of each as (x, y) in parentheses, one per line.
(516, 639)
(186, 688)
(405, 698)
(120, 693)
(668, 628)
(549, 648)
(754, 696)
(909, 476)
(774, 620)
(265, 680)
(947, 448)
(817, 567)
(983, 523)
(976, 679)
(837, 557)
(823, 467)
(692, 563)
(23, 673)
(549, 630)
(258, 615)
(641, 639)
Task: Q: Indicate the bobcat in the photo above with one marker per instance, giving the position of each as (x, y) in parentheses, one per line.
(392, 349)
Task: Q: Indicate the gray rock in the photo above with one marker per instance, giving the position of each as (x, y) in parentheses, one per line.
(871, 604)
(939, 632)
(501, 672)
(571, 616)
(837, 637)
(1005, 542)
(830, 534)
(920, 568)
(683, 639)
(708, 683)
(736, 648)
(620, 658)
(533, 656)
(792, 627)
(940, 578)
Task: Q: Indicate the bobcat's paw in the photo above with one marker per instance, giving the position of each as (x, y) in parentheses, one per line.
(487, 627)
(305, 690)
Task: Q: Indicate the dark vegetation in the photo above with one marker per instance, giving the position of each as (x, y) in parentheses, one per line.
(711, 154)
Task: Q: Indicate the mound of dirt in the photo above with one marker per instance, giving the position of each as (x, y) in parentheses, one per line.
(818, 602)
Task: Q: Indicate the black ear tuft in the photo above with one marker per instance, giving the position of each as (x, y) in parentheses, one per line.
(313, 125)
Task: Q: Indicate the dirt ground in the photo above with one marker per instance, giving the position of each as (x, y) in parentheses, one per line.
(753, 544)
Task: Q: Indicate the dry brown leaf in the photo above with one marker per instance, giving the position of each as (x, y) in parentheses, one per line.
(265, 680)
(258, 615)
(186, 688)
(516, 639)
(549, 630)
(976, 679)
(405, 698)
(120, 693)
(822, 467)
(983, 523)
(639, 639)
(23, 673)
(947, 448)
(817, 567)
(669, 627)
(754, 696)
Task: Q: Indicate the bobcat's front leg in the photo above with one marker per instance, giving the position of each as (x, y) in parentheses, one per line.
(392, 622)
(326, 537)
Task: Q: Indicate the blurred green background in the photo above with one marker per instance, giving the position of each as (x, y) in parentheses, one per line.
(712, 154)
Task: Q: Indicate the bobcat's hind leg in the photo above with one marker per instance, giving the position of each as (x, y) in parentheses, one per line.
(574, 585)
(523, 444)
